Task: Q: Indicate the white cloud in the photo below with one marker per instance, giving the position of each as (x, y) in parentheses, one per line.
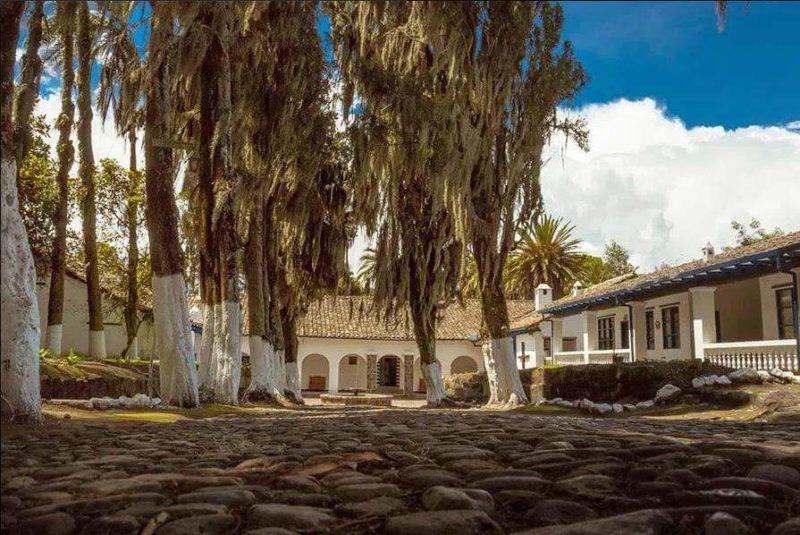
(793, 125)
(663, 190)
(105, 141)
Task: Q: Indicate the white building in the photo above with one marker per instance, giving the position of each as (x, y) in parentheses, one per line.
(342, 346)
(75, 330)
(738, 308)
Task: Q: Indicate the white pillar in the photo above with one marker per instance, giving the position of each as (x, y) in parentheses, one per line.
(704, 326)
(618, 316)
(638, 323)
(589, 331)
(333, 375)
(538, 349)
(557, 336)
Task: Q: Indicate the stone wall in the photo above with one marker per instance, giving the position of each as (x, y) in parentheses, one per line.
(469, 387)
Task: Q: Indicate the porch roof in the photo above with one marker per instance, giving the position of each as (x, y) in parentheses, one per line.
(764, 256)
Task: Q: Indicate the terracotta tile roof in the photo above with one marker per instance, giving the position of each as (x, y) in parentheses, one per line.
(351, 317)
(639, 283)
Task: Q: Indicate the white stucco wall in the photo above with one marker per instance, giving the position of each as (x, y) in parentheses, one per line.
(738, 304)
(75, 333)
(336, 349)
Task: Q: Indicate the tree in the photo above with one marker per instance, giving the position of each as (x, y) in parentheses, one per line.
(594, 270)
(366, 268)
(522, 73)
(28, 91)
(177, 368)
(546, 252)
(120, 194)
(747, 234)
(617, 258)
(406, 147)
(84, 43)
(65, 19)
(19, 324)
(121, 88)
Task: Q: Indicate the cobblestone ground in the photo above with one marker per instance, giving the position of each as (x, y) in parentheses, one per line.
(403, 472)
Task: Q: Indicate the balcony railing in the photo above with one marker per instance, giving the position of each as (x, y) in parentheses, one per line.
(596, 356)
(759, 355)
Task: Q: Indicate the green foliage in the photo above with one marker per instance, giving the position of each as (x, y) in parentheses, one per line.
(747, 234)
(595, 270)
(38, 192)
(117, 189)
(618, 259)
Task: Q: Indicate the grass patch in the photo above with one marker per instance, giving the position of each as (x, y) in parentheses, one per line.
(550, 410)
(165, 416)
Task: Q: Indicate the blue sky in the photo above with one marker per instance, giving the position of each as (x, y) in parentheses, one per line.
(748, 74)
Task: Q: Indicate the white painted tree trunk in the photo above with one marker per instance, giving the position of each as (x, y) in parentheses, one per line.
(227, 357)
(205, 377)
(505, 385)
(293, 381)
(173, 342)
(53, 343)
(97, 345)
(133, 351)
(19, 324)
(261, 355)
(277, 372)
(435, 390)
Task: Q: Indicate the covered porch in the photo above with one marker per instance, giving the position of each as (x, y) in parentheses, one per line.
(738, 313)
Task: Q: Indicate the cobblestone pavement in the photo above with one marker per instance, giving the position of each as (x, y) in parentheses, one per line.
(402, 472)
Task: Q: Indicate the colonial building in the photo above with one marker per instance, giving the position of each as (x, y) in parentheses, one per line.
(738, 308)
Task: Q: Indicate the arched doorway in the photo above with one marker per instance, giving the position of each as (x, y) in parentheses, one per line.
(314, 373)
(353, 373)
(463, 364)
(389, 371)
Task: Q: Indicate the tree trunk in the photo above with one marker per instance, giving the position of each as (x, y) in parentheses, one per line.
(66, 157)
(28, 89)
(293, 390)
(261, 349)
(19, 308)
(217, 181)
(97, 341)
(505, 385)
(132, 300)
(173, 342)
(425, 336)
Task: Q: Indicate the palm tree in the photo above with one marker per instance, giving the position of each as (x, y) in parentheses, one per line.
(65, 20)
(19, 353)
(546, 253)
(85, 46)
(366, 268)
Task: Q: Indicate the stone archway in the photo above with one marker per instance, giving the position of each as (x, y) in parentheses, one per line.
(353, 373)
(314, 370)
(463, 364)
(389, 370)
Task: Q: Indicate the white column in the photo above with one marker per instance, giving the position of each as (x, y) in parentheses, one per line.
(589, 330)
(618, 315)
(704, 326)
(639, 330)
(538, 349)
(333, 375)
(557, 336)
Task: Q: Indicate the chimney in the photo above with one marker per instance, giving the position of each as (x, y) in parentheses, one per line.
(577, 288)
(708, 252)
(544, 296)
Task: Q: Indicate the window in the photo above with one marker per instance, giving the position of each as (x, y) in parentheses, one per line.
(783, 299)
(650, 328)
(626, 344)
(605, 333)
(547, 345)
(718, 325)
(670, 321)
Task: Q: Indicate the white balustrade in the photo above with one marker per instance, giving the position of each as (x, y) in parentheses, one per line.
(759, 355)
